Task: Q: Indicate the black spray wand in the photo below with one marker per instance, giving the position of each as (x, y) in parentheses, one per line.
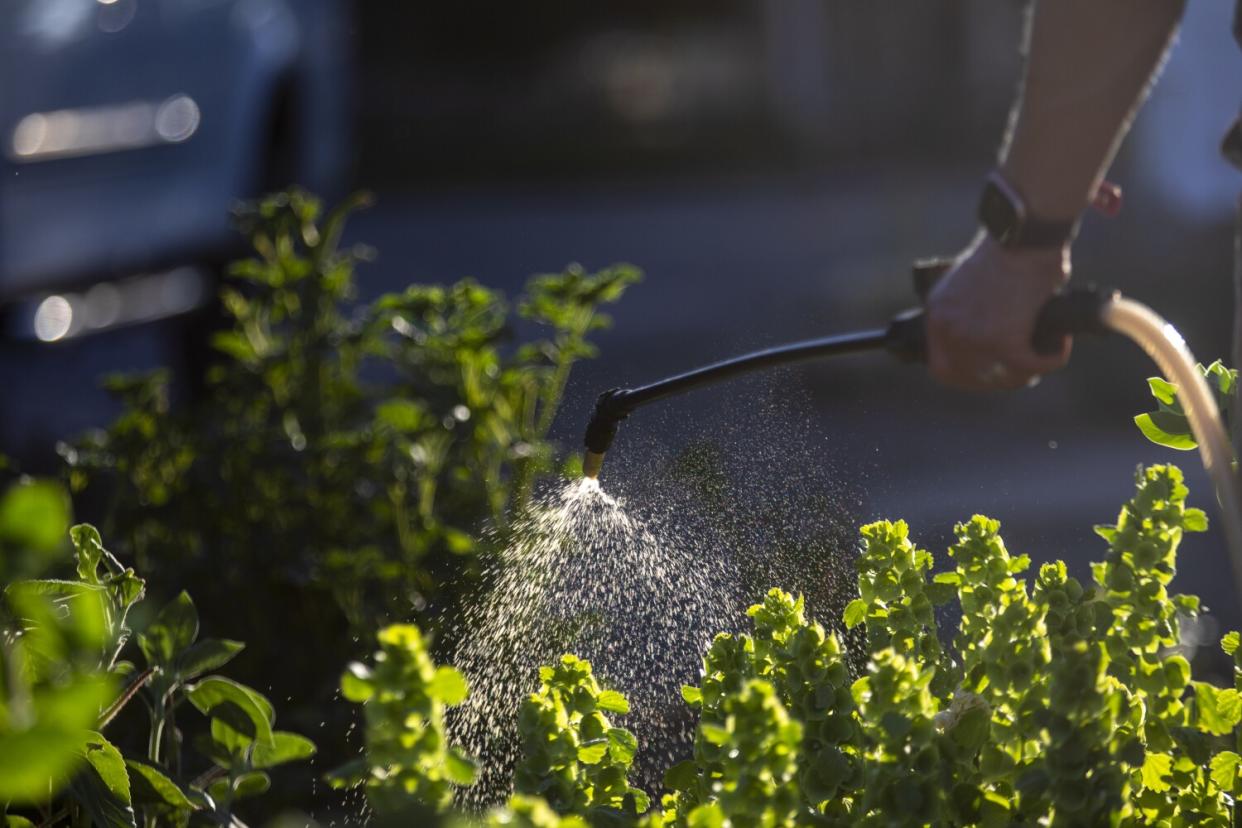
(1071, 312)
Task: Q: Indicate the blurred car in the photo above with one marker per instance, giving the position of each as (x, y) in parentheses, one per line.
(128, 128)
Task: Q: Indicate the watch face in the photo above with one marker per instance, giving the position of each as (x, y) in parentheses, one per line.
(999, 214)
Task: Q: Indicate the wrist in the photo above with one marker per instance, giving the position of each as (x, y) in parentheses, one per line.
(1008, 218)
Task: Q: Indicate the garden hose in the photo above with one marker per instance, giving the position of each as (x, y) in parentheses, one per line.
(1073, 311)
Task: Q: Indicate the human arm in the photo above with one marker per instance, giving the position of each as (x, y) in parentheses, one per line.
(1089, 64)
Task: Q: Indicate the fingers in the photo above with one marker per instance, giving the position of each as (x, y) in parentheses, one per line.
(966, 358)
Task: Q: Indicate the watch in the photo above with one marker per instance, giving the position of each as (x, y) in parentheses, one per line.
(1005, 216)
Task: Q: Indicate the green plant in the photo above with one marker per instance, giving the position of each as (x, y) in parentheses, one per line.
(572, 755)
(65, 685)
(1060, 704)
(408, 764)
(1167, 425)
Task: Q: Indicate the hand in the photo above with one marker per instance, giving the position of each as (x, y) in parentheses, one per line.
(981, 314)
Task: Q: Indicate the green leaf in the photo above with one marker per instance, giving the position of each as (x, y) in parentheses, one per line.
(37, 761)
(1195, 520)
(1156, 770)
(102, 788)
(855, 613)
(89, 551)
(205, 656)
(252, 783)
(240, 707)
(12, 821)
(691, 694)
(151, 787)
(1229, 642)
(612, 701)
(714, 734)
(1177, 438)
(622, 745)
(593, 753)
(1162, 389)
(682, 776)
(1225, 770)
(34, 516)
(458, 768)
(285, 747)
(173, 630)
(448, 685)
(356, 683)
(1218, 711)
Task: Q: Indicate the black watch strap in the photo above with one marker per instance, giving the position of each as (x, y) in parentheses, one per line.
(1003, 213)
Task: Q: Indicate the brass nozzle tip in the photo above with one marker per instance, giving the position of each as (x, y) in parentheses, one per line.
(592, 462)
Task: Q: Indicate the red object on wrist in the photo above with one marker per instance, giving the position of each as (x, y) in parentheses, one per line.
(1107, 199)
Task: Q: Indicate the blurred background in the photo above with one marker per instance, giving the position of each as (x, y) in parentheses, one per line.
(774, 166)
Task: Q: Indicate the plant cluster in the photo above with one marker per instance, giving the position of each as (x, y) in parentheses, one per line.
(572, 755)
(351, 449)
(65, 684)
(1167, 426)
(408, 757)
(1057, 703)
(337, 469)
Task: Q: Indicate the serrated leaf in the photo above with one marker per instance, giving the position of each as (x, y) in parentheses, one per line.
(593, 753)
(1229, 642)
(622, 745)
(1156, 770)
(1225, 770)
(1218, 710)
(691, 694)
(855, 613)
(612, 701)
(448, 685)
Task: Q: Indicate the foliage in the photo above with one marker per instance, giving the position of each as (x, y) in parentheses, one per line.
(354, 450)
(408, 762)
(572, 755)
(1167, 425)
(1060, 705)
(336, 470)
(65, 685)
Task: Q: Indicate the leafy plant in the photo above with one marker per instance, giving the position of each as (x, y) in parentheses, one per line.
(65, 685)
(1167, 425)
(1062, 704)
(337, 470)
(409, 765)
(572, 755)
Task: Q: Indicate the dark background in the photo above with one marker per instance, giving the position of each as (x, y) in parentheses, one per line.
(774, 167)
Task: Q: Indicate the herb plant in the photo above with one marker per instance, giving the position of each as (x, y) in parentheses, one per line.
(66, 686)
(409, 765)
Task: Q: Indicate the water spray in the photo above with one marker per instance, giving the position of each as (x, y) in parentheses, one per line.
(1082, 310)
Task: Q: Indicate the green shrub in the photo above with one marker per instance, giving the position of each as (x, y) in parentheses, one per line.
(349, 450)
(409, 764)
(65, 685)
(572, 755)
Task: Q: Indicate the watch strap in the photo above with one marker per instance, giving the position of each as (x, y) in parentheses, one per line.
(1004, 214)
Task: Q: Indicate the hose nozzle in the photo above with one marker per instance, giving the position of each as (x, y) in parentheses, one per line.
(610, 410)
